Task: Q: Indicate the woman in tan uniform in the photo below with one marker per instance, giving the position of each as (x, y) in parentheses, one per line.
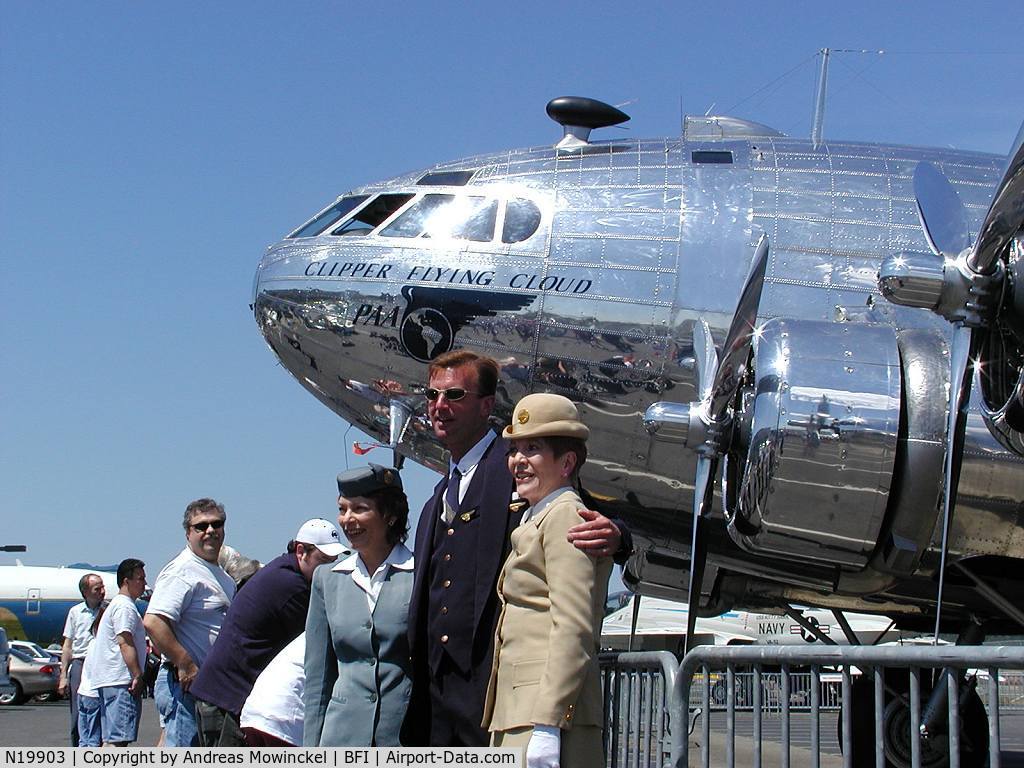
(544, 693)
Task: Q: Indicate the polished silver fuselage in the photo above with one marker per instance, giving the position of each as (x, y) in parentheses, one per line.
(636, 241)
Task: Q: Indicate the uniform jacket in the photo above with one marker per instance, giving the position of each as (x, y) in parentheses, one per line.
(486, 501)
(358, 677)
(545, 668)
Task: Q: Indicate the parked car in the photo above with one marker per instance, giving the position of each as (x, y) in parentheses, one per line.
(35, 650)
(6, 686)
(39, 653)
(30, 677)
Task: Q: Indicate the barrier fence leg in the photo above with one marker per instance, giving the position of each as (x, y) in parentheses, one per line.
(879, 715)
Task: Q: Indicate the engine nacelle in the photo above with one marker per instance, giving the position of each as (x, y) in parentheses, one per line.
(824, 418)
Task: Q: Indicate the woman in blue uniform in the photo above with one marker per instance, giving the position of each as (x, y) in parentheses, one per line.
(358, 675)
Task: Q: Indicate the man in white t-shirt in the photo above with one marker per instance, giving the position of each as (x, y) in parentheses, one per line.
(77, 638)
(113, 666)
(189, 602)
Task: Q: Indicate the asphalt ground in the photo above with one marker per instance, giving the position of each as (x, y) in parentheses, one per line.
(48, 724)
(36, 724)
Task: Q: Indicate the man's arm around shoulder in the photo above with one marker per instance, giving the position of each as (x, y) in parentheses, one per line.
(600, 536)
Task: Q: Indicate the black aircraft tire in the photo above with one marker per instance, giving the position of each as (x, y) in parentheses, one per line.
(896, 727)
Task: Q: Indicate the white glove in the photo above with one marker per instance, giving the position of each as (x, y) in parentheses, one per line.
(544, 747)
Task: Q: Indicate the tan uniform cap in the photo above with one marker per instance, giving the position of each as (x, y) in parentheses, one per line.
(545, 415)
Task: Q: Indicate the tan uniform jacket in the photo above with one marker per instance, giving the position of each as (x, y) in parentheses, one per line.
(545, 668)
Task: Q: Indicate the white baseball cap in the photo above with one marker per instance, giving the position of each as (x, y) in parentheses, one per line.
(322, 534)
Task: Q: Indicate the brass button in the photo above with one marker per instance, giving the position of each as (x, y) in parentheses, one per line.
(444, 610)
(447, 557)
(451, 531)
(444, 638)
(446, 583)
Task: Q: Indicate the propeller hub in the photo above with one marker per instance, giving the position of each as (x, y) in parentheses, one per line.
(911, 280)
(950, 287)
(673, 422)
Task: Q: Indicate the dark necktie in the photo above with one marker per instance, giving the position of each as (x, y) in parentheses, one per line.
(451, 496)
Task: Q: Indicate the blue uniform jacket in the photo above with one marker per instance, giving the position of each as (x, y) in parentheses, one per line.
(489, 493)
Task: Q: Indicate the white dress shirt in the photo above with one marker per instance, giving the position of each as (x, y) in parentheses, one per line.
(400, 558)
(467, 466)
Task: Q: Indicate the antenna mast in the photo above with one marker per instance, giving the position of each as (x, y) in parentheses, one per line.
(819, 101)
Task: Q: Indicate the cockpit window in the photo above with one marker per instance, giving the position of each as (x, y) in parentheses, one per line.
(373, 215)
(326, 218)
(447, 217)
(446, 178)
(522, 217)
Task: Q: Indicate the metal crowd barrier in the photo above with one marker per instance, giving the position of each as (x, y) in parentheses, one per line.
(870, 662)
(636, 690)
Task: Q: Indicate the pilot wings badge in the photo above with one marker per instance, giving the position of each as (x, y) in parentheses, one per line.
(434, 315)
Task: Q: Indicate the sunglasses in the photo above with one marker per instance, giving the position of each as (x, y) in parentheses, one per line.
(201, 527)
(452, 394)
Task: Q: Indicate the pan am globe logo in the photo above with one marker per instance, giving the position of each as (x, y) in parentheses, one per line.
(433, 316)
(426, 333)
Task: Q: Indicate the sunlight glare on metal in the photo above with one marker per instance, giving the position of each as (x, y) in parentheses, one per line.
(443, 221)
(782, 363)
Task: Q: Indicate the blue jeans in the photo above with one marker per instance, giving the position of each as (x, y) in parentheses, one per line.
(178, 710)
(120, 713)
(89, 728)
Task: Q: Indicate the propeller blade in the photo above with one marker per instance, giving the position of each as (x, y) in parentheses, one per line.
(718, 384)
(701, 480)
(959, 387)
(705, 357)
(736, 349)
(1005, 215)
(636, 618)
(942, 213)
(702, 496)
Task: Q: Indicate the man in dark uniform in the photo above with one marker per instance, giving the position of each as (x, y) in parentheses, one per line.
(462, 540)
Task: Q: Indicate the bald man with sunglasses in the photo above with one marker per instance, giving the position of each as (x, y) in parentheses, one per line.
(462, 540)
(185, 614)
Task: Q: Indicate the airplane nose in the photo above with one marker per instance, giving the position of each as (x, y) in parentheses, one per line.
(335, 333)
(384, 279)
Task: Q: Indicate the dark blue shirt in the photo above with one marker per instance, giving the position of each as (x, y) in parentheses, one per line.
(266, 614)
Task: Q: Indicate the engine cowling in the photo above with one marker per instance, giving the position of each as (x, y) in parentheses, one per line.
(820, 449)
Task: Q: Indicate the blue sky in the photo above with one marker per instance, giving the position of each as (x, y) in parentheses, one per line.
(150, 151)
